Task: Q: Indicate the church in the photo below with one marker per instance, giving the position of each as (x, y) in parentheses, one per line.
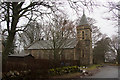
(79, 48)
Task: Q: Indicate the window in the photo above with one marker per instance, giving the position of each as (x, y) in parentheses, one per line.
(82, 53)
(83, 35)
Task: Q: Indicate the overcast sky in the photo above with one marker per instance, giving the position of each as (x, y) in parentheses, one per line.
(106, 26)
(100, 14)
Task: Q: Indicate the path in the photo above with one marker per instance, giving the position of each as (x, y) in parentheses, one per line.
(106, 72)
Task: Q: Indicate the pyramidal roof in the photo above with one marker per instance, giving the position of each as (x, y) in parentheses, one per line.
(83, 20)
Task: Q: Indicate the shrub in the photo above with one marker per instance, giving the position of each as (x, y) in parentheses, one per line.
(51, 71)
(15, 75)
(64, 70)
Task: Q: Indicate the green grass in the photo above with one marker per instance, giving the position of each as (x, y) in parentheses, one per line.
(94, 66)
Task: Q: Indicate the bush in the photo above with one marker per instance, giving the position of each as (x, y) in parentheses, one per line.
(64, 70)
(15, 75)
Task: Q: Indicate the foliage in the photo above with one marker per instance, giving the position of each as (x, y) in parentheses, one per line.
(100, 50)
(91, 67)
(65, 70)
(15, 75)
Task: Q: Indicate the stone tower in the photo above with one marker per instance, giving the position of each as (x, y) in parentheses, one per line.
(84, 41)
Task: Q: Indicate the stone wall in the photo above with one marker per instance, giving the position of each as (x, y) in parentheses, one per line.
(68, 54)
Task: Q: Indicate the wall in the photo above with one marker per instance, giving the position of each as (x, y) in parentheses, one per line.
(68, 54)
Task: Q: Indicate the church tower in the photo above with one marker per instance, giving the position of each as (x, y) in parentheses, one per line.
(84, 41)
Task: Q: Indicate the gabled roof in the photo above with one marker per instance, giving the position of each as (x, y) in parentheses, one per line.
(48, 44)
(20, 55)
(83, 20)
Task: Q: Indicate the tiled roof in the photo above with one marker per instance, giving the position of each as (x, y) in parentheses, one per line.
(48, 44)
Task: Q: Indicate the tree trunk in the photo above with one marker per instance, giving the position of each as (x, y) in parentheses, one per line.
(56, 58)
(11, 33)
(118, 56)
(7, 48)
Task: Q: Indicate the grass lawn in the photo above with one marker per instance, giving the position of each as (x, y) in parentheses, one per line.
(94, 66)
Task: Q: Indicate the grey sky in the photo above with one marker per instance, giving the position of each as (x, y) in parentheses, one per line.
(98, 13)
(107, 26)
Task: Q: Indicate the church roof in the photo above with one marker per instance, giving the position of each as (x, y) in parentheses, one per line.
(47, 44)
(18, 55)
(83, 20)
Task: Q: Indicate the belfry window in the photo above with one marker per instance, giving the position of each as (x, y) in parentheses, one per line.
(83, 35)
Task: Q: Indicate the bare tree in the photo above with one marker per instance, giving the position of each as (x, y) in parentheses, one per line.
(32, 33)
(114, 7)
(114, 45)
(61, 31)
(13, 12)
(56, 34)
(96, 34)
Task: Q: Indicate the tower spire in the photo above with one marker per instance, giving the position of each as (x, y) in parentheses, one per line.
(83, 11)
(83, 20)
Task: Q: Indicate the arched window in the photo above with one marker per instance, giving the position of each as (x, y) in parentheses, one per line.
(83, 35)
(82, 53)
